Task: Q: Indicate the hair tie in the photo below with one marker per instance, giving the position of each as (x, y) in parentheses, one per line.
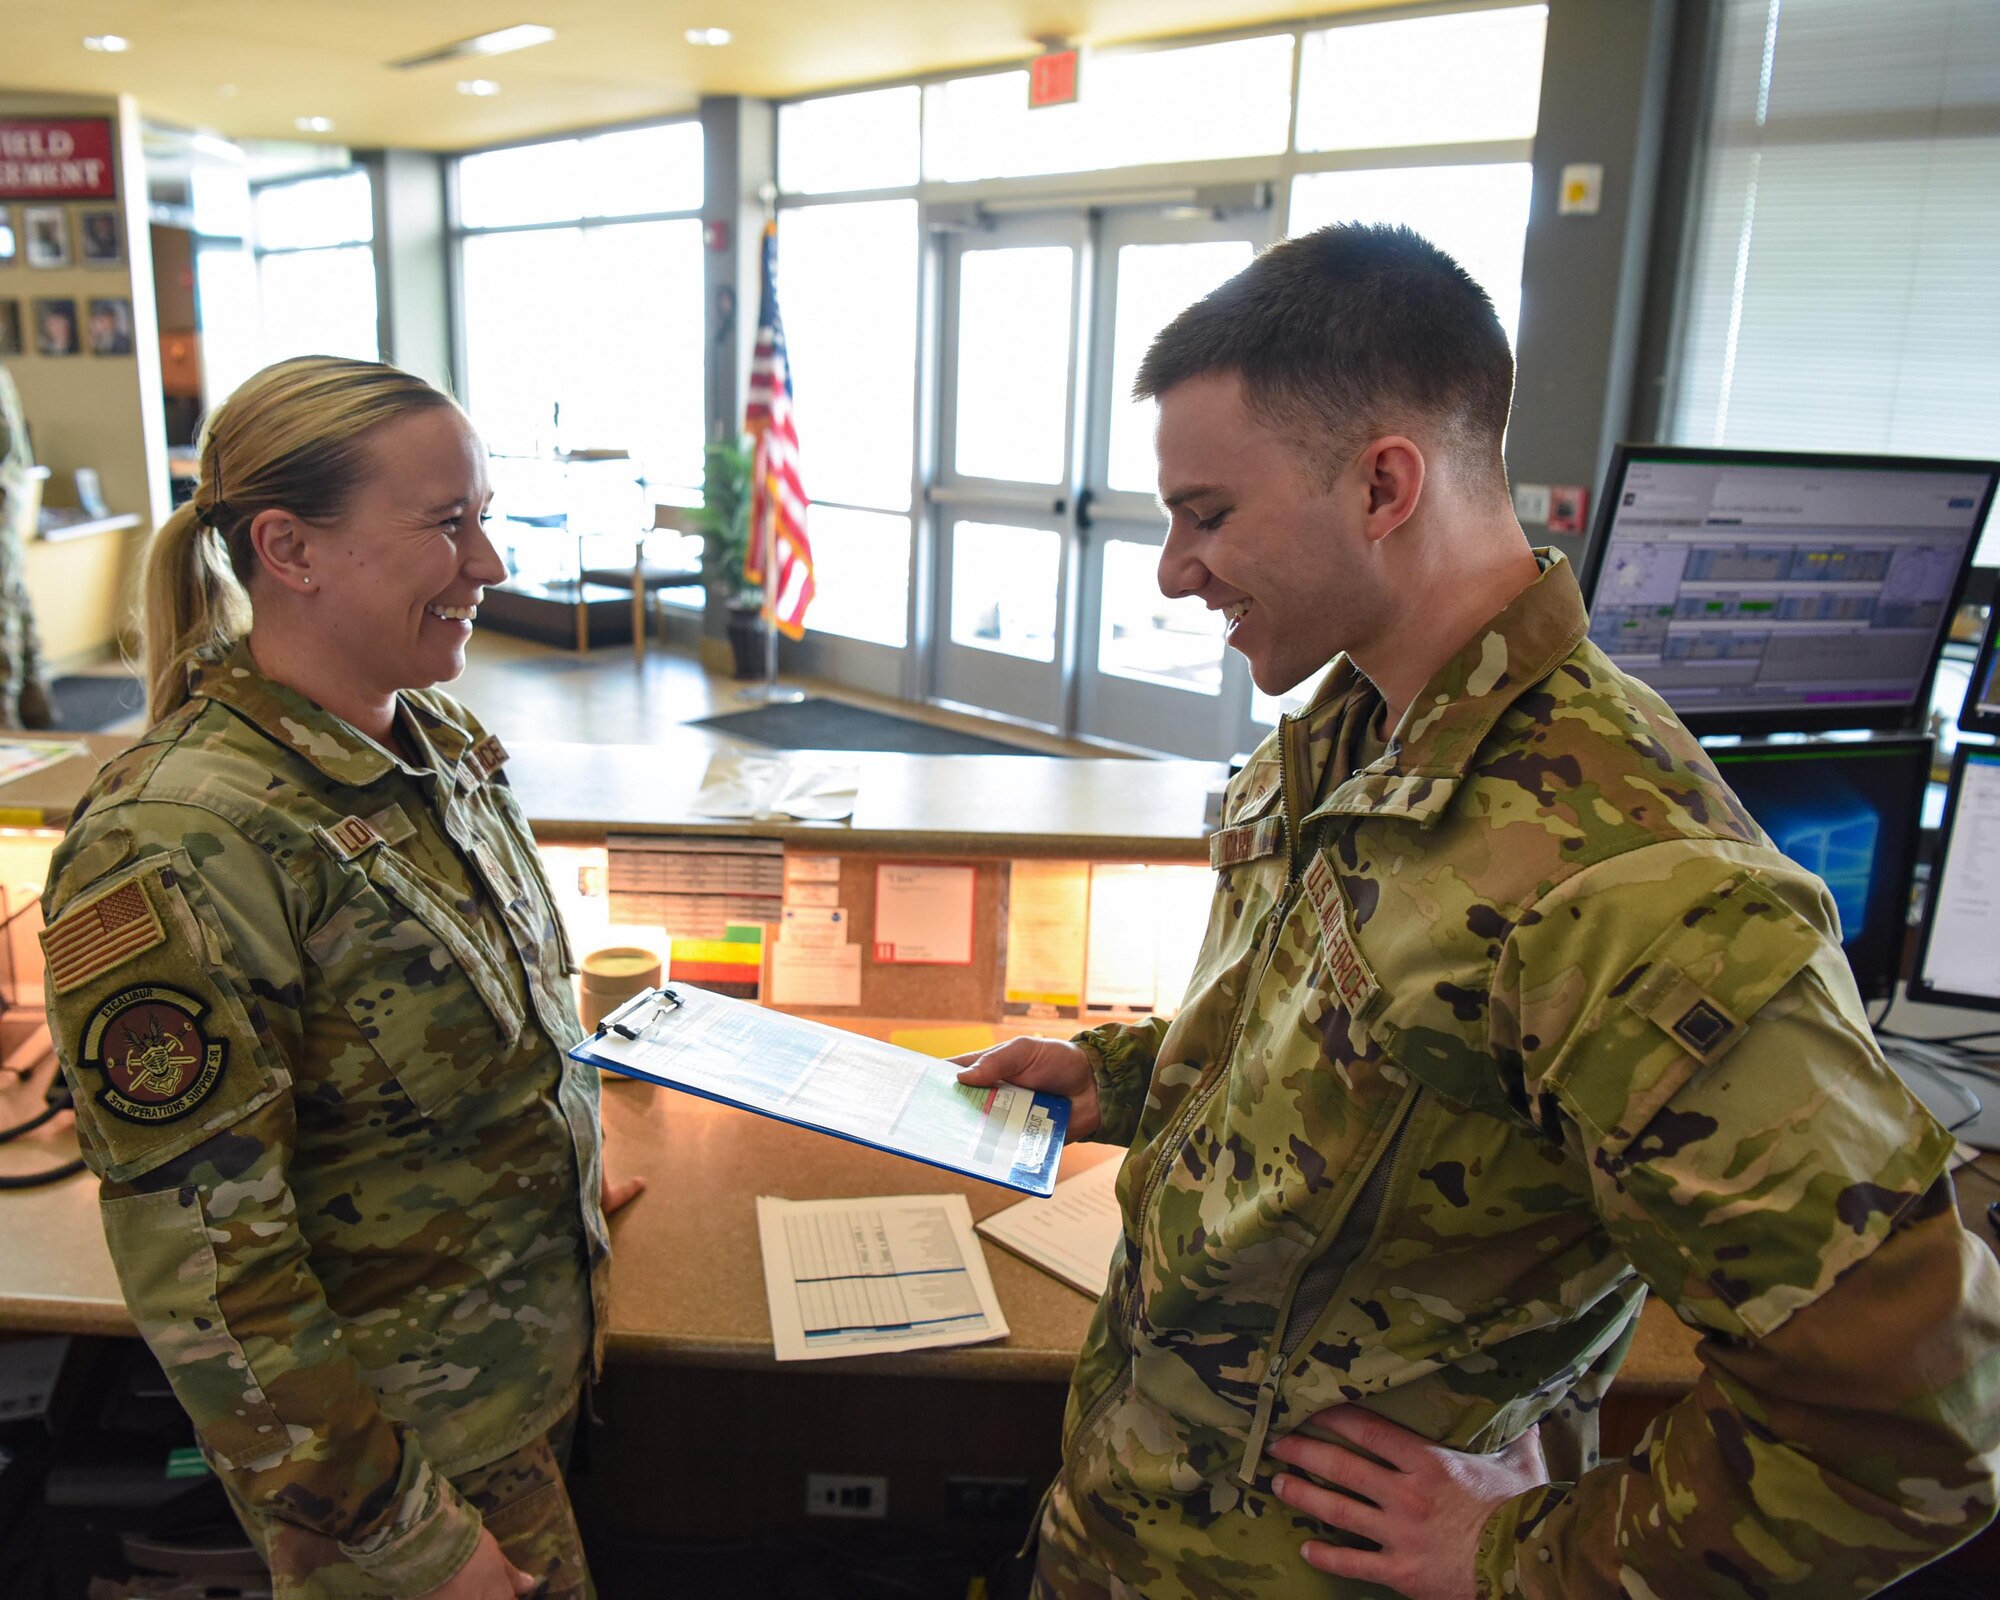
(213, 514)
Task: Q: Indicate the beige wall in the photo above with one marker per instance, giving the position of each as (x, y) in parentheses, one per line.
(102, 412)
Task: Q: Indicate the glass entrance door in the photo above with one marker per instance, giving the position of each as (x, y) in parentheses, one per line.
(1156, 672)
(1003, 497)
(1047, 602)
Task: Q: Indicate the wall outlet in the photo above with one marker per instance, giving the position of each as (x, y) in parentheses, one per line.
(836, 1494)
(987, 1499)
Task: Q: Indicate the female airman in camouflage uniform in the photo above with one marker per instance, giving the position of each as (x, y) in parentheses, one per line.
(309, 986)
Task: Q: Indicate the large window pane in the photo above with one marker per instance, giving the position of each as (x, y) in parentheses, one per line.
(1476, 214)
(1156, 282)
(1840, 291)
(319, 303)
(608, 175)
(849, 141)
(614, 363)
(847, 282)
(315, 211)
(1013, 363)
(861, 566)
(1197, 103)
(1177, 644)
(1458, 79)
(1004, 582)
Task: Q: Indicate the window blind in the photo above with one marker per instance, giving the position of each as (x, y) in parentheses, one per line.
(1844, 291)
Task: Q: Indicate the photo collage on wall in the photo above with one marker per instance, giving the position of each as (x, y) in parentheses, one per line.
(64, 230)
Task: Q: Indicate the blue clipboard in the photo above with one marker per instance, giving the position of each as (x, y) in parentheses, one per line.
(815, 1076)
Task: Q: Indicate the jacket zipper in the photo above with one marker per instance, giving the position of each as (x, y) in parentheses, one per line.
(1314, 1291)
(1212, 1080)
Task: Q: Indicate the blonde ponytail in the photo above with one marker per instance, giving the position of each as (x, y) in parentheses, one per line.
(192, 606)
(292, 439)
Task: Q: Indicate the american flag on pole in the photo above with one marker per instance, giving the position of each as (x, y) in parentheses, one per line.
(779, 557)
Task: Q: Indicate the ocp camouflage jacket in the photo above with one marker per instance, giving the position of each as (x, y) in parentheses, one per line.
(1492, 1035)
(313, 1003)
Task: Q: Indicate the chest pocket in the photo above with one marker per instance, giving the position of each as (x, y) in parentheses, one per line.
(428, 996)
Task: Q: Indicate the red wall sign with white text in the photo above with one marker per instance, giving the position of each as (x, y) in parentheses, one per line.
(57, 159)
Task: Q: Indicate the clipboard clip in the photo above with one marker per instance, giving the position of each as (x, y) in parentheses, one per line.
(639, 1013)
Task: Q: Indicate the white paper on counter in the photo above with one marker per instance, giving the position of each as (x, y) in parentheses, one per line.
(742, 783)
(853, 1277)
(821, 925)
(1072, 1234)
(923, 913)
(1048, 922)
(815, 975)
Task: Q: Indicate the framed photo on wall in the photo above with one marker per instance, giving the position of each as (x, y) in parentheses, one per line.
(99, 238)
(47, 232)
(10, 327)
(10, 241)
(55, 327)
(111, 327)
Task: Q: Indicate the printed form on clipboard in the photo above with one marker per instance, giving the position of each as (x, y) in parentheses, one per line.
(819, 1077)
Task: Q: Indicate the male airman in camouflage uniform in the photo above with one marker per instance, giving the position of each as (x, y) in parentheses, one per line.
(312, 1000)
(1507, 1012)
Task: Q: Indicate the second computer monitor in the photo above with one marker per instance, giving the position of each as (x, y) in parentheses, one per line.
(1759, 592)
(1848, 812)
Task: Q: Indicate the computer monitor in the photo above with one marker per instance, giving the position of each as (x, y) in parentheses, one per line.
(1958, 951)
(1849, 812)
(1760, 592)
(1981, 711)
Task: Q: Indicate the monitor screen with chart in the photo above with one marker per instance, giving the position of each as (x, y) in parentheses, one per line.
(1958, 951)
(1761, 592)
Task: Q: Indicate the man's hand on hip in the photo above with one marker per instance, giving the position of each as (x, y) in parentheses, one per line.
(489, 1575)
(1425, 1508)
(1053, 1066)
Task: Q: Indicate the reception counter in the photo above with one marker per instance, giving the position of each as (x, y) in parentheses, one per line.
(688, 1287)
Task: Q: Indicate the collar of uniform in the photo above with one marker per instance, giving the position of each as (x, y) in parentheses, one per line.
(341, 752)
(1449, 720)
(450, 739)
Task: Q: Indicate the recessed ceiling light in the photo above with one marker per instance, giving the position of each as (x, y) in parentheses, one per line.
(228, 91)
(109, 44)
(498, 43)
(478, 86)
(313, 124)
(716, 36)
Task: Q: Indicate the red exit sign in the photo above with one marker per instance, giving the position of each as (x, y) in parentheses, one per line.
(1052, 79)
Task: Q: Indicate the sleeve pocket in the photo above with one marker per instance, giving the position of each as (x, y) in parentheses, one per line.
(166, 1265)
(161, 1048)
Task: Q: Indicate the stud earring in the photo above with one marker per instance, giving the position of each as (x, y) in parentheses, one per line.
(307, 579)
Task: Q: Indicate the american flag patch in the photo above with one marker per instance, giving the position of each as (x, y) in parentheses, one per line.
(92, 938)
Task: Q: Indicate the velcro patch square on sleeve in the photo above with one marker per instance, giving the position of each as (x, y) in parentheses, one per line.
(100, 933)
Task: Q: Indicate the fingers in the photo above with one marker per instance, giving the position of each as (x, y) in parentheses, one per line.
(523, 1584)
(1336, 1465)
(1345, 1561)
(616, 1196)
(1016, 1061)
(1402, 1449)
(1335, 1509)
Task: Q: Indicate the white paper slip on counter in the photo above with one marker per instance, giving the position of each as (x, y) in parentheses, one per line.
(1072, 1234)
(855, 1277)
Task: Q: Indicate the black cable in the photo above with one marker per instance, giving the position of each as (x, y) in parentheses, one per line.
(37, 1180)
(34, 1122)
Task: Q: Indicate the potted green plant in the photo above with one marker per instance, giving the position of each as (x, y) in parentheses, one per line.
(724, 521)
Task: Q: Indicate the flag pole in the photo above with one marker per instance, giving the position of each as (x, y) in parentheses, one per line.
(768, 693)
